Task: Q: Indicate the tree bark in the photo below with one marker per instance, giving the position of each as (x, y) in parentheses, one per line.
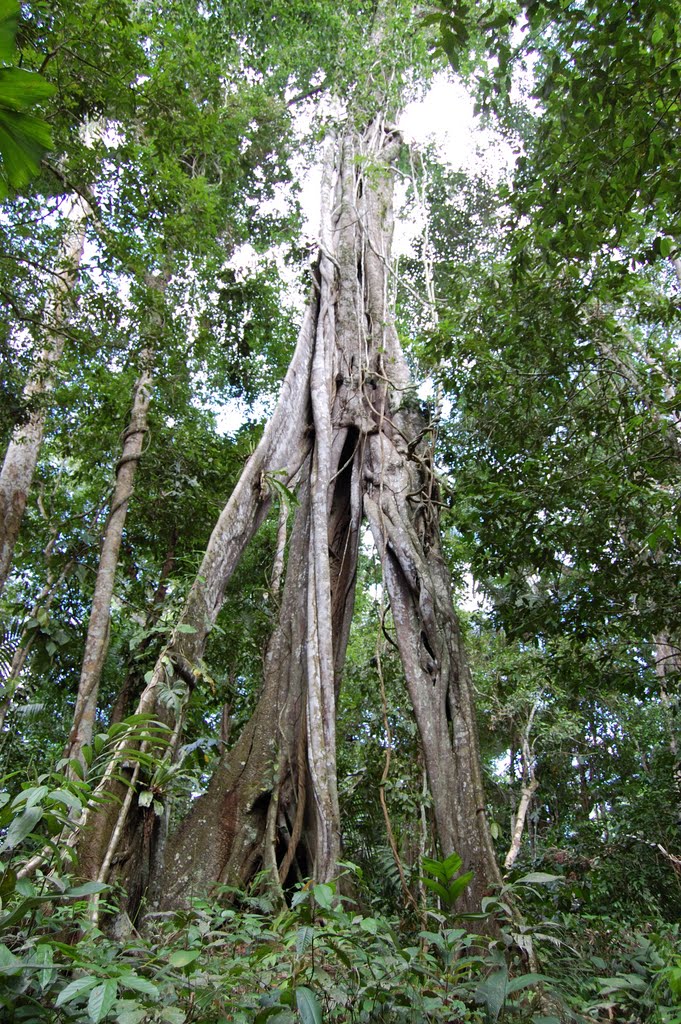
(668, 668)
(22, 452)
(529, 788)
(347, 432)
(97, 641)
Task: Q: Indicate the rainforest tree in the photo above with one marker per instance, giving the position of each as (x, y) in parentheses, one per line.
(215, 601)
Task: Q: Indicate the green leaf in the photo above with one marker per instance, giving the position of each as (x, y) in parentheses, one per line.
(30, 797)
(87, 889)
(450, 44)
(45, 958)
(129, 1011)
(173, 1014)
(21, 827)
(182, 957)
(437, 887)
(308, 1006)
(492, 992)
(451, 865)
(69, 800)
(101, 1000)
(23, 142)
(457, 886)
(304, 937)
(9, 22)
(524, 981)
(76, 988)
(145, 797)
(137, 984)
(434, 867)
(9, 963)
(538, 878)
(666, 246)
(20, 89)
(323, 895)
(622, 983)
(302, 896)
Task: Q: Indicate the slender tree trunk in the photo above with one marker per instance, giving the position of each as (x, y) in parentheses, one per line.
(21, 457)
(97, 640)
(347, 433)
(529, 788)
(668, 667)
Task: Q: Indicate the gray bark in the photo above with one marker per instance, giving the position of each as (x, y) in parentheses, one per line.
(97, 641)
(345, 431)
(21, 457)
(528, 789)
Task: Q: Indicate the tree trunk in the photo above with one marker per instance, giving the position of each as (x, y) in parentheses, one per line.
(347, 433)
(668, 668)
(529, 788)
(21, 457)
(97, 640)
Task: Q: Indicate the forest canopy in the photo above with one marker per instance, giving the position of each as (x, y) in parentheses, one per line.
(264, 757)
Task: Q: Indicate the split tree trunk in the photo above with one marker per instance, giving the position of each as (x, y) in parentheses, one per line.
(347, 433)
(21, 457)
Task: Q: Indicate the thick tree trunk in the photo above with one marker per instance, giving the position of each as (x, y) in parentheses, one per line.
(403, 517)
(348, 435)
(97, 640)
(21, 457)
(284, 447)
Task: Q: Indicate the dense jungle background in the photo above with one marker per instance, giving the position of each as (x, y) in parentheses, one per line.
(423, 765)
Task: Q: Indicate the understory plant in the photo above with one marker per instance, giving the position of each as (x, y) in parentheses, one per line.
(241, 958)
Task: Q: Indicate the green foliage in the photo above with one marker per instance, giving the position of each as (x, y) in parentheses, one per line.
(24, 137)
(605, 84)
(320, 960)
(557, 346)
(446, 881)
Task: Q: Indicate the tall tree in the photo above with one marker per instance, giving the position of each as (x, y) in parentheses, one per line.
(349, 437)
